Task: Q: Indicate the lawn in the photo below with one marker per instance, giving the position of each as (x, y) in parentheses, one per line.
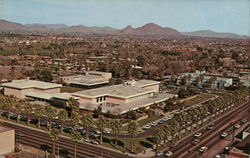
(70, 89)
(200, 98)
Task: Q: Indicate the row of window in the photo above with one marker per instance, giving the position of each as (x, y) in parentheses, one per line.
(100, 99)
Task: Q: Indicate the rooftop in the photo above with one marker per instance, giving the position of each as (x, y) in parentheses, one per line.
(123, 108)
(26, 83)
(123, 91)
(4, 129)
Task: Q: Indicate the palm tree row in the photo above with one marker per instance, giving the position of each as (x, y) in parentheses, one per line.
(194, 116)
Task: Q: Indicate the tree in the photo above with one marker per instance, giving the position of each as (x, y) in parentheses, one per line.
(50, 112)
(101, 124)
(132, 131)
(116, 128)
(75, 119)
(63, 116)
(39, 112)
(54, 136)
(73, 104)
(28, 110)
(18, 107)
(87, 122)
(7, 104)
(75, 137)
(157, 135)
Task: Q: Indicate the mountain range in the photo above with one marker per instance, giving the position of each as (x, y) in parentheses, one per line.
(149, 29)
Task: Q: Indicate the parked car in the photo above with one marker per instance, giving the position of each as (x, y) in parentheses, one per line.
(147, 127)
(94, 142)
(168, 153)
(97, 131)
(153, 123)
(173, 145)
(159, 154)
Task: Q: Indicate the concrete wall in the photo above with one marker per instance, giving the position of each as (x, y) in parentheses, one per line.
(21, 93)
(115, 100)
(7, 139)
(15, 92)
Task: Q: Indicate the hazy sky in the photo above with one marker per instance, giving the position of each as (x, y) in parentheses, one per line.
(183, 15)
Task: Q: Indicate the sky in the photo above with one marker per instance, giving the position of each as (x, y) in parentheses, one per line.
(184, 15)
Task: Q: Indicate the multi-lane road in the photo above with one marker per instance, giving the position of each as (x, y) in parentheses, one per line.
(38, 138)
(210, 137)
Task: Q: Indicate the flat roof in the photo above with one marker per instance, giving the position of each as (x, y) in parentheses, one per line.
(4, 129)
(123, 108)
(123, 91)
(26, 83)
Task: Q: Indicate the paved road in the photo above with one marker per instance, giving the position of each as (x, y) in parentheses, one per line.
(38, 138)
(222, 124)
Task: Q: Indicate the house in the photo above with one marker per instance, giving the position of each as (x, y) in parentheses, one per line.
(119, 99)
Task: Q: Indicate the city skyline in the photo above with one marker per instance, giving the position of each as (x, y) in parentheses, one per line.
(223, 16)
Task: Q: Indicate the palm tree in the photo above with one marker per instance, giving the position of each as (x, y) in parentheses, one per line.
(166, 133)
(18, 109)
(132, 131)
(75, 119)
(54, 136)
(73, 104)
(50, 112)
(87, 122)
(8, 103)
(116, 128)
(63, 116)
(158, 136)
(28, 110)
(75, 137)
(39, 112)
(101, 124)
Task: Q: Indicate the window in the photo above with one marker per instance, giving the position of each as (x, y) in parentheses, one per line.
(100, 99)
(97, 99)
(104, 98)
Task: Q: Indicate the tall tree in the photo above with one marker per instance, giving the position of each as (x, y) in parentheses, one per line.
(54, 136)
(132, 131)
(101, 124)
(158, 136)
(75, 137)
(63, 116)
(116, 128)
(39, 112)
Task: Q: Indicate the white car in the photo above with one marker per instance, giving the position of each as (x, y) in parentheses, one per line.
(153, 123)
(97, 131)
(217, 156)
(94, 142)
(237, 126)
(203, 149)
(159, 154)
(169, 153)
(197, 135)
(147, 127)
(224, 135)
(106, 131)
